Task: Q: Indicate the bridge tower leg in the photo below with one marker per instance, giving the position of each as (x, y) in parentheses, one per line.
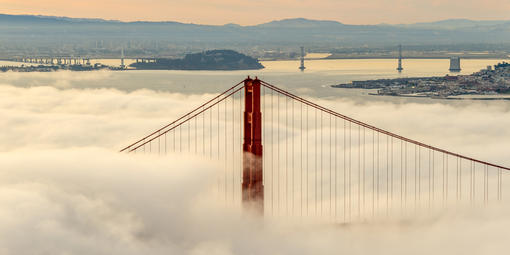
(252, 187)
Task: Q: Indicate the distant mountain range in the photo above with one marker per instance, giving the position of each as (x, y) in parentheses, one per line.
(459, 23)
(296, 22)
(287, 32)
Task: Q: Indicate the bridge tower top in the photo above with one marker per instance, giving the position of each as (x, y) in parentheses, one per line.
(252, 186)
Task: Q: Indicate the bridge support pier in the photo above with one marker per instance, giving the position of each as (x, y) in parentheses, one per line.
(252, 186)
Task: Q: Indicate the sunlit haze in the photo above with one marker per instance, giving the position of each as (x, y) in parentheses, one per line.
(247, 12)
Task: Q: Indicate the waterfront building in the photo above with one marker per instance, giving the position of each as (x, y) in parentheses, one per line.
(455, 64)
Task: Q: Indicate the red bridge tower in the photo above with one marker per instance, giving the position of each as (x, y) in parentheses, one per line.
(253, 188)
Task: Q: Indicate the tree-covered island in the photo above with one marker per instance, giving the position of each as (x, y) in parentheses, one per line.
(207, 60)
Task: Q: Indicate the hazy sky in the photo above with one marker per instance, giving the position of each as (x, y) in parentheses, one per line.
(247, 12)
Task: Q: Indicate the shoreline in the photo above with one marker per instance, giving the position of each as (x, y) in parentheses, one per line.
(445, 98)
(479, 85)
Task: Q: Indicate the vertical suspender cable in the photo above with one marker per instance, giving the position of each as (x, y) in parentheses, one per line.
(315, 171)
(286, 129)
(500, 182)
(460, 179)
(278, 153)
(322, 154)
(401, 176)
(471, 189)
(330, 166)
(387, 175)
(336, 170)
(345, 174)
(307, 169)
(415, 177)
(430, 180)
(446, 178)
(203, 134)
(189, 136)
(474, 181)
(272, 153)
(226, 149)
(292, 161)
(433, 175)
(485, 184)
(350, 172)
(218, 126)
(364, 172)
(233, 148)
(373, 173)
(457, 179)
(391, 172)
(378, 171)
(444, 183)
(210, 133)
(405, 177)
(301, 158)
(359, 171)
(419, 174)
(196, 136)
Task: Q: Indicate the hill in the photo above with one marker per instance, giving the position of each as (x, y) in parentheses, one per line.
(208, 60)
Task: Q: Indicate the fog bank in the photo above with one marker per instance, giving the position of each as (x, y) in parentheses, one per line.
(66, 190)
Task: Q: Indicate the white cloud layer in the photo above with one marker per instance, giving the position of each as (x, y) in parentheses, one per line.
(65, 190)
(92, 201)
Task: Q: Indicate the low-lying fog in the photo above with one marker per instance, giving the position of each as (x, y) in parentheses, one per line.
(65, 189)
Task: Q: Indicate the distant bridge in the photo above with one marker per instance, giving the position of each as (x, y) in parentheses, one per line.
(68, 60)
(52, 60)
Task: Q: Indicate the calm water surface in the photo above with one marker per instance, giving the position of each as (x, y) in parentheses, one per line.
(314, 81)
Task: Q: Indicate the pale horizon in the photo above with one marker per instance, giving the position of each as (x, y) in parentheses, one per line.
(270, 20)
(248, 13)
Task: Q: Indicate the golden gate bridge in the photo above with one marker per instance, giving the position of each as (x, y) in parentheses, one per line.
(283, 155)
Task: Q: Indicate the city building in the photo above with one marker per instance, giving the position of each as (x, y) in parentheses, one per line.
(455, 64)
